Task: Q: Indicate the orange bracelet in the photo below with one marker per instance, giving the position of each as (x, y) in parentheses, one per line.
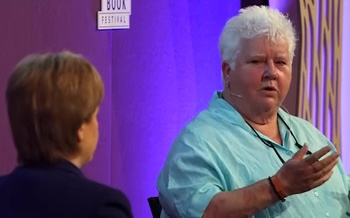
(277, 187)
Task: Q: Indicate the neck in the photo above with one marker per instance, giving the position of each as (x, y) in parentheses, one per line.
(252, 114)
(258, 118)
(264, 121)
(77, 161)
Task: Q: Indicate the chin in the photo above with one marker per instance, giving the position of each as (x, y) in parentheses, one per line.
(269, 106)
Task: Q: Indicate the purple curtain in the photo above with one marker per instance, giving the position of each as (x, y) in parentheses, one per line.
(158, 75)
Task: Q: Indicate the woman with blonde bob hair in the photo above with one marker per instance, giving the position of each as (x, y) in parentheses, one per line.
(52, 102)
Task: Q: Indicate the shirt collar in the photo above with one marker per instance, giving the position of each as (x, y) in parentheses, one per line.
(223, 110)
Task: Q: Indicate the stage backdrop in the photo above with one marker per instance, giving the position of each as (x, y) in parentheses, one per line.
(158, 75)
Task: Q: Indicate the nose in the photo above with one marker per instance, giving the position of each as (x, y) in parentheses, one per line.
(270, 71)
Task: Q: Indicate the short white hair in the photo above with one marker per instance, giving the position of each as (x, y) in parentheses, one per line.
(251, 22)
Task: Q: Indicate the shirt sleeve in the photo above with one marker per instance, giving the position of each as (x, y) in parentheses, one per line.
(189, 179)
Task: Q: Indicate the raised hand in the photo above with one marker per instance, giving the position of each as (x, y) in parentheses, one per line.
(301, 174)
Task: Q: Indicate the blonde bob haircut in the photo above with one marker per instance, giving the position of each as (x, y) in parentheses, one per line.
(49, 97)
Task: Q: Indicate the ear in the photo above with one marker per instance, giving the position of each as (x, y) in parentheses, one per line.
(80, 133)
(225, 68)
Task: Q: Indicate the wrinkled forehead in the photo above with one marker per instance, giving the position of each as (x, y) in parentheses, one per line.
(264, 44)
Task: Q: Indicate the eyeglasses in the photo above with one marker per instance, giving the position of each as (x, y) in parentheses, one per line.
(270, 145)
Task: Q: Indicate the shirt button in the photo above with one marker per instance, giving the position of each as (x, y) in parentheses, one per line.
(316, 194)
(328, 214)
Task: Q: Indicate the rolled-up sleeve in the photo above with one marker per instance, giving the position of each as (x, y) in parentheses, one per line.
(189, 179)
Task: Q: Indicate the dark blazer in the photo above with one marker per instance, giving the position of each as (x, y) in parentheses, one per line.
(60, 190)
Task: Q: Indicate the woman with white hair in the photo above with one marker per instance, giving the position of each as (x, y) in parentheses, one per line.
(244, 156)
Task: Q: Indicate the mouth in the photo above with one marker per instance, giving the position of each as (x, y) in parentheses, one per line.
(269, 88)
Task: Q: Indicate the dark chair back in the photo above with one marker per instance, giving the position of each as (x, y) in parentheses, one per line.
(155, 206)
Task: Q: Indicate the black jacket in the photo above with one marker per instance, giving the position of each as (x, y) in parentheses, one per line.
(60, 190)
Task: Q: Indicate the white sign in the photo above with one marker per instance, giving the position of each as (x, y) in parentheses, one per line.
(114, 14)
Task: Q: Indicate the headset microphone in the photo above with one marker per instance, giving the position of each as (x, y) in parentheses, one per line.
(227, 84)
(236, 95)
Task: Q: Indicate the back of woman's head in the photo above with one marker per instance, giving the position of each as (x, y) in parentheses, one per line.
(251, 22)
(49, 97)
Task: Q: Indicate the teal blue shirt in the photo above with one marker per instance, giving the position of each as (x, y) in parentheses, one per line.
(217, 151)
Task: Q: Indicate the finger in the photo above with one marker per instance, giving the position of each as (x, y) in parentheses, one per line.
(323, 167)
(327, 160)
(301, 153)
(317, 155)
(323, 179)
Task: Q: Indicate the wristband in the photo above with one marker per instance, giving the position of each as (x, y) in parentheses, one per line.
(277, 187)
